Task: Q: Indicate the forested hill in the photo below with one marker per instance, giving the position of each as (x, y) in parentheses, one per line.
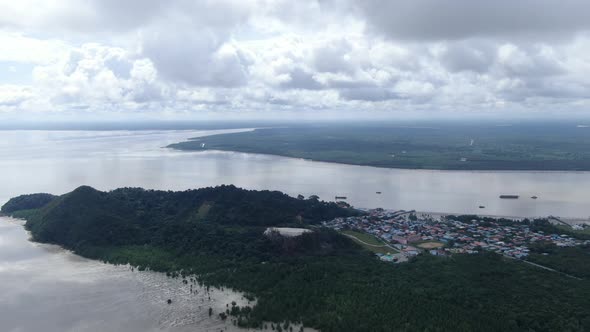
(131, 215)
(321, 278)
(27, 202)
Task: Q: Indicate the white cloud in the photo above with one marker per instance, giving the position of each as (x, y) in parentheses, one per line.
(18, 48)
(191, 57)
(98, 77)
(13, 95)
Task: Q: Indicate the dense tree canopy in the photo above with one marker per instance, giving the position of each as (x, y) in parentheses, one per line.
(26, 202)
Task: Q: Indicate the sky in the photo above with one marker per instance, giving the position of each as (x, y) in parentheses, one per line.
(184, 59)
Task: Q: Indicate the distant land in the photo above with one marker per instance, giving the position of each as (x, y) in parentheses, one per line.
(321, 278)
(542, 146)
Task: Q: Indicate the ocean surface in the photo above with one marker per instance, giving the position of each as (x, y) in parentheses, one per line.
(44, 288)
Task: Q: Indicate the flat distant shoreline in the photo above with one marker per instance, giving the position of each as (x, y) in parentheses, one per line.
(532, 170)
(449, 148)
(568, 220)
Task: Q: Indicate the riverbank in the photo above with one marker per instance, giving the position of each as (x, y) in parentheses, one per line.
(457, 146)
(560, 220)
(69, 293)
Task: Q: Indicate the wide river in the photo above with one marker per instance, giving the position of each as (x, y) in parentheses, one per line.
(44, 288)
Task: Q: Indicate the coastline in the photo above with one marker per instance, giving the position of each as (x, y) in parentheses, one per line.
(472, 170)
(568, 220)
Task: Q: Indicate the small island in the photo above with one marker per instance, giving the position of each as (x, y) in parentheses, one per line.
(279, 252)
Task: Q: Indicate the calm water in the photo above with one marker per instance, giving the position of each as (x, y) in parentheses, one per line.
(58, 162)
(45, 288)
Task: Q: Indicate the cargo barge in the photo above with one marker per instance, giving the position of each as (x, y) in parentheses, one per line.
(509, 196)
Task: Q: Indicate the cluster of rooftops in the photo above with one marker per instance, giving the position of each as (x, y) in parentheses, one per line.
(404, 229)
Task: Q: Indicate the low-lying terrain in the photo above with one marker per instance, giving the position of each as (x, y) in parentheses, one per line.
(421, 145)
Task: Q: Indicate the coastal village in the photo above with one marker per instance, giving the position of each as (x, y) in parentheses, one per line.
(407, 234)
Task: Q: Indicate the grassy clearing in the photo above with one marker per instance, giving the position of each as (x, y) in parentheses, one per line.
(372, 241)
(368, 238)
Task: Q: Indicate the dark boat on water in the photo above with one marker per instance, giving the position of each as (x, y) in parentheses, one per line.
(340, 197)
(534, 197)
(509, 196)
(482, 207)
(378, 192)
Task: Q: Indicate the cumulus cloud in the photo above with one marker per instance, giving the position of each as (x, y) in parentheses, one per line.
(190, 57)
(13, 95)
(97, 75)
(196, 59)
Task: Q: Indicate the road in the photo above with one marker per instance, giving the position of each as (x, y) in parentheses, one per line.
(544, 267)
(371, 245)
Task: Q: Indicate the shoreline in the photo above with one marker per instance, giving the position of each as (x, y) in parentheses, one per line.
(476, 170)
(567, 220)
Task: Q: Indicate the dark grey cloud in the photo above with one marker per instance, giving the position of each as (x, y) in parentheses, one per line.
(459, 19)
(465, 56)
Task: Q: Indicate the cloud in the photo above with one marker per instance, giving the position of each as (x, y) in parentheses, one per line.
(301, 79)
(188, 41)
(368, 94)
(333, 57)
(19, 48)
(13, 95)
(99, 75)
(461, 19)
(465, 56)
(535, 62)
(194, 57)
(84, 18)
